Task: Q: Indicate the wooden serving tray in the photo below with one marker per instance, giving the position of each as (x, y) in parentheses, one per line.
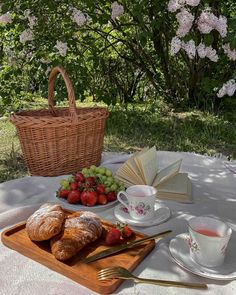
(17, 239)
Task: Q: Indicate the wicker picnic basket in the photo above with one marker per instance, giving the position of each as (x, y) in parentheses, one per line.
(58, 141)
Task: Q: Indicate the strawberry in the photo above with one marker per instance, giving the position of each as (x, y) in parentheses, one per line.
(63, 193)
(91, 180)
(74, 185)
(111, 196)
(100, 189)
(79, 177)
(113, 236)
(102, 199)
(73, 197)
(89, 198)
(126, 232)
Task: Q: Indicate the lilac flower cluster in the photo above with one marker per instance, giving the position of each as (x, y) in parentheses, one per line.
(26, 35)
(31, 18)
(175, 5)
(5, 18)
(191, 49)
(116, 10)
(228, 88)
(205, 23)
(185, 20)
(78, 17)
(61, 47)
(207, 51)
(230, 53)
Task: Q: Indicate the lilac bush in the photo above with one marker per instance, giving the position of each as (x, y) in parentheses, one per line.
(182, 50)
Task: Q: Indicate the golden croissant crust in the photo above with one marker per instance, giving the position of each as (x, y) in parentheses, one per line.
(45, 223)
(80, 229)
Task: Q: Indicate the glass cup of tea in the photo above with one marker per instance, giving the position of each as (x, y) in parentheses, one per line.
(139, 200)
(209, 238)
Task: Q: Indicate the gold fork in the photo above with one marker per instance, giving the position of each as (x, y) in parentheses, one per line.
(122, 273)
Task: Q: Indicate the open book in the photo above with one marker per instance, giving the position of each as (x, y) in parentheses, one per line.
(142, 168)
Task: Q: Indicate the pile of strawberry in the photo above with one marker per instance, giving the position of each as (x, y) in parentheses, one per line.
(89, 187)
(118, 234)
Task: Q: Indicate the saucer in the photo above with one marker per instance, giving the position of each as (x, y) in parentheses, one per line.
(161, 214)
(179, 250)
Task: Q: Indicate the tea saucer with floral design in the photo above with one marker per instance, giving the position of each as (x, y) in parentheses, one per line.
(162, 213)
(179, 250)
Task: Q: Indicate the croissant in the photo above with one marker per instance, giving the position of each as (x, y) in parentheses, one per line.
(45, 223)
(80, 229)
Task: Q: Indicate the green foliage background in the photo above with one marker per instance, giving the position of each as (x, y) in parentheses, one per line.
(122, 60)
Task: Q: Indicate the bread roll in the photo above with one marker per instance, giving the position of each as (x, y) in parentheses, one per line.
(45, 223)
(80, 229)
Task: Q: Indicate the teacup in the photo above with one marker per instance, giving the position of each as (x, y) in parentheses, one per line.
(139, 200)
(209, 238)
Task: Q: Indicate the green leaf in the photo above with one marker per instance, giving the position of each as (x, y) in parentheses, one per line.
(232, 22)
(208, 39)
(233, 43)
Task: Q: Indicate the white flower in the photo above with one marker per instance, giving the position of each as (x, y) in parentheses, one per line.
(222, 92)
(173, 5)
(208, 21)
(201, 50)
(221, 26)
(230, 53)
(78, 17)
(228, 88)
(116, 10)
(26, 35)
(211, 54)
(31, 18)
(61, 47)
(5, 18)
(189, 48)
(175, 45)
(185, 20)
(207, 51)
(193, 2)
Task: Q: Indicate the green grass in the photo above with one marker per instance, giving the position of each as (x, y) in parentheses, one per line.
(132, 128)
(11, 162)
(189, 131)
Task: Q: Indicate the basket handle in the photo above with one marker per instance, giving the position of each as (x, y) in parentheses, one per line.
(71, 95)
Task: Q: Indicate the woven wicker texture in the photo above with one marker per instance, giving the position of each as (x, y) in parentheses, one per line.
(58, 141)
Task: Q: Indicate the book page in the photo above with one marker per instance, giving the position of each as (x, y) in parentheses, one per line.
(178, 188)
(131, 164)
(147, 163)
(124, 173)
(127, 173)
(167, 172)
(130, 171)
(177, 184)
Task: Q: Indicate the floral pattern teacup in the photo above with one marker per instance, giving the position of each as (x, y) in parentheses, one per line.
(139, 201)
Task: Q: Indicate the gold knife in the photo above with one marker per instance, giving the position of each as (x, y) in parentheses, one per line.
(119, 248)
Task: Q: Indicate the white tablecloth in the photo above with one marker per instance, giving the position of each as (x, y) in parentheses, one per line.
(214, 193)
